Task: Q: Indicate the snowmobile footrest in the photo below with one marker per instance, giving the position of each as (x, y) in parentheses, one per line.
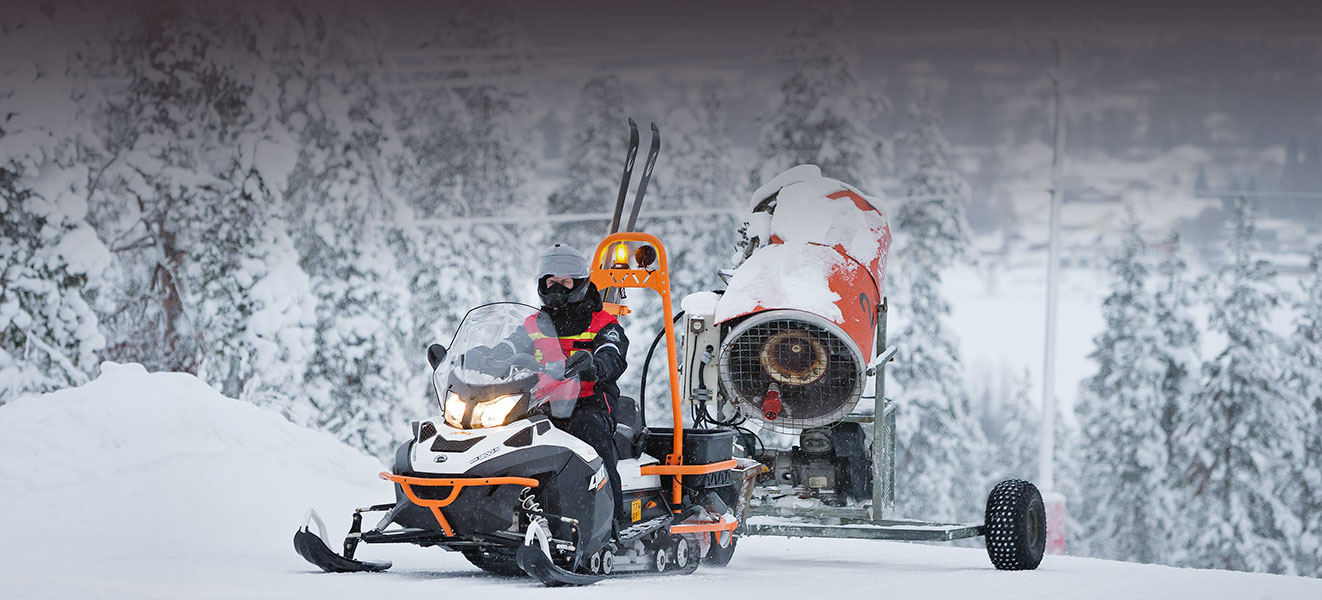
(314, 550)
(537, 564)
(637, 530)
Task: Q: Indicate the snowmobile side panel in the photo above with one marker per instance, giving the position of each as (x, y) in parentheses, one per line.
(314, 550)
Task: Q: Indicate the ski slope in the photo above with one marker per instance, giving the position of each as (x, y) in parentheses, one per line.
(141, 485)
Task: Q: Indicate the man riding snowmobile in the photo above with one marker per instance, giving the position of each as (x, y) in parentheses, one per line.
(573, 306)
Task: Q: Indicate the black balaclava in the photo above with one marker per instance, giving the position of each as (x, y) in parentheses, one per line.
(570, 310)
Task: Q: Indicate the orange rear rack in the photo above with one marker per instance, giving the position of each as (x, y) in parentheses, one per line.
(457, 484)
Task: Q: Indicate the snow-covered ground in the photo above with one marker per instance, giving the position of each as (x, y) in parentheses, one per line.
(142, 485)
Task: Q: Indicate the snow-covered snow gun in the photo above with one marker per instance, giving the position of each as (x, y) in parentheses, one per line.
(797, 324)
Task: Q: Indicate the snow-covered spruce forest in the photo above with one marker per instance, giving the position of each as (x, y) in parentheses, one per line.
(246, 193)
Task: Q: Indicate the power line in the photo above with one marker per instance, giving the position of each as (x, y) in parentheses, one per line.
(1255, 194)
(570, 217)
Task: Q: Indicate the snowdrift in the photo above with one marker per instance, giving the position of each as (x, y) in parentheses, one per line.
(146, 465)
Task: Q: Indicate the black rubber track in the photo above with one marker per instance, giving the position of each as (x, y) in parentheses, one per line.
(497, 561)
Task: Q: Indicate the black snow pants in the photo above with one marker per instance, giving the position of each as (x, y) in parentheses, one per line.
(595, 426)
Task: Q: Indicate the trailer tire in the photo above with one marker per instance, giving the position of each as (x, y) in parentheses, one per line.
(1016, 526)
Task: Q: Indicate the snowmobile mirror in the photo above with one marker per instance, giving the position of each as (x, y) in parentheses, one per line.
(435, 354)
(577, 362)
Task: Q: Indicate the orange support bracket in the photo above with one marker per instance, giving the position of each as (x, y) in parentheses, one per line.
(608, 272)
(457, 485)
(724, 465)
(702, 527)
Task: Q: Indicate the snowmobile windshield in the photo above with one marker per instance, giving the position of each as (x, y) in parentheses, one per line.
(494, 357)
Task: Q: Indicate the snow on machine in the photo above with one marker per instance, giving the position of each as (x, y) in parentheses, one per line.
(493, 478)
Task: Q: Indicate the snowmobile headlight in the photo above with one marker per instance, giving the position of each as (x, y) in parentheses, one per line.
(454, 410)
(493, 413)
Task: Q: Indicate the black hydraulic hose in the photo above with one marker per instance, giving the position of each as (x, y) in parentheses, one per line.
(642, 387)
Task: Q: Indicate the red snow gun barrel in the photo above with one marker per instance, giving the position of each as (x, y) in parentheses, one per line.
(800, 309)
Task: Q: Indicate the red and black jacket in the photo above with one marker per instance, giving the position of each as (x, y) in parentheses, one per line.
(602, 334)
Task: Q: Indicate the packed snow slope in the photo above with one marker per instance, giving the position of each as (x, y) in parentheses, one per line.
(151, 485)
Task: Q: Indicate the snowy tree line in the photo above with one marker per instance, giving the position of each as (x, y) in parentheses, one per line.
(1206, 461)
(230, 189)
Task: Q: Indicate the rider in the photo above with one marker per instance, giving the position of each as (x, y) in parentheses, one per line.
(574, 307)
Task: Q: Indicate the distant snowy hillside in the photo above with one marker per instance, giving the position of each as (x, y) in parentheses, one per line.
(151, 485)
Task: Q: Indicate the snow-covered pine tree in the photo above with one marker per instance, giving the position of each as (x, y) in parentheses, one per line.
(593, 161)
(218, 290)
(1121, 409)
(51, 260)
(476, 156)
(1177, 348)
(821, 114)
(1011, 428)
(1243, 431)
(1306, 354)
(938, 439)
(346, 210)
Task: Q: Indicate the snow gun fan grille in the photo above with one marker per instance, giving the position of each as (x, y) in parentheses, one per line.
(807, 361)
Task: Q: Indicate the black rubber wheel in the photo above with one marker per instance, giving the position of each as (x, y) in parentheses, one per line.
(1016, 526)
(718, 556)
(495, 561)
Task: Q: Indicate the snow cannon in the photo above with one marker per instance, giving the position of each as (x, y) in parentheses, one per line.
(790, 338)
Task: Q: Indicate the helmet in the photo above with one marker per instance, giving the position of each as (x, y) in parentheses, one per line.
(562, 260)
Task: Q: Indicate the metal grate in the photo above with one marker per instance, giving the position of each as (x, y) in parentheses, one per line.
(818, 373)
(443, 445)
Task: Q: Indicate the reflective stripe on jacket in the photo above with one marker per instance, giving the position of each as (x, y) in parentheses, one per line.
(551, 349)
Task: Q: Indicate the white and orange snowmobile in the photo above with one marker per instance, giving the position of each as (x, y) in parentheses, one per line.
(493, 478)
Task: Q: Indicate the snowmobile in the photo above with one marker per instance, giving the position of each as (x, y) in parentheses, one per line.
(493, 478)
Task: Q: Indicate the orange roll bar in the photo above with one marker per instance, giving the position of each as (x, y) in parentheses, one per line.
(657, 280)
(457, 484)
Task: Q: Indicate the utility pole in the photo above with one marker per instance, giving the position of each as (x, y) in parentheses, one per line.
(1055, 502)
(1045, 462)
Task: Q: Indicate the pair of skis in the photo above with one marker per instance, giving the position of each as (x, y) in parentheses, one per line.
(615, 294)
(628, 176)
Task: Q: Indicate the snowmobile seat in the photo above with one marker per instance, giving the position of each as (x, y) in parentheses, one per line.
(629, 429)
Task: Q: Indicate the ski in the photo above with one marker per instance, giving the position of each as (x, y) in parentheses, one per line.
(536, 563)
(647, 176)
(314, 550)
(629, 159)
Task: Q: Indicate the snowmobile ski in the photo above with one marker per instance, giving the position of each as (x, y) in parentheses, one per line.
(312, 547)
(652, 152)
(534, 557)
(537, 564)
(314, 550)
(629, 159)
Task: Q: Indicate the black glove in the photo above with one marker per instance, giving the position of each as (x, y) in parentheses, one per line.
(589, 372)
